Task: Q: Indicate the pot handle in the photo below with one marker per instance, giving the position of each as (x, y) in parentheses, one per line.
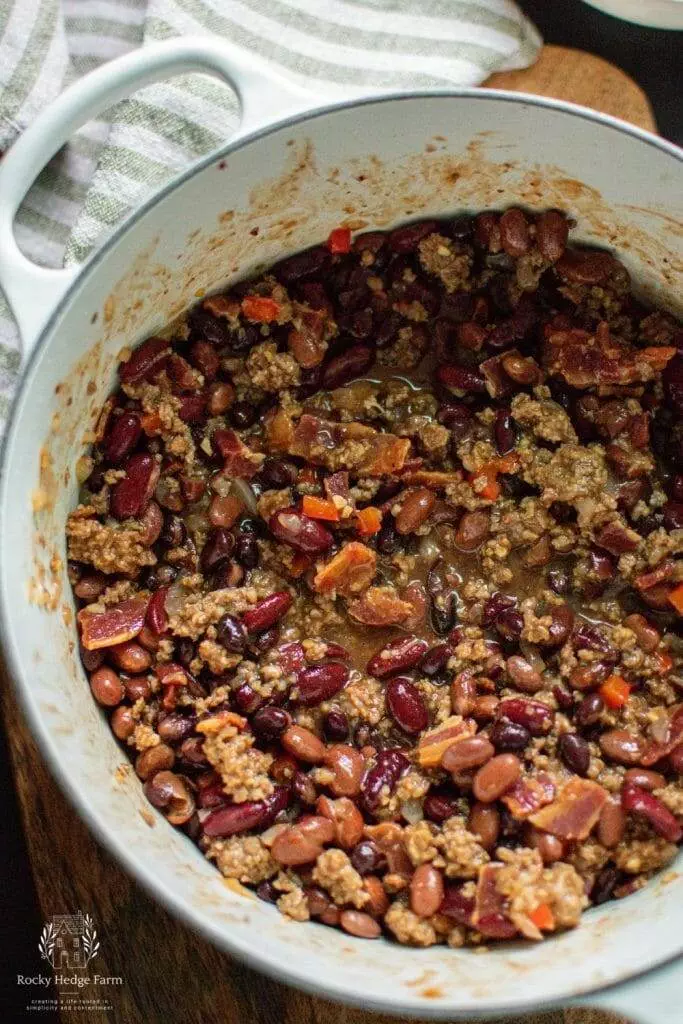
(652, 998)
(264, 95)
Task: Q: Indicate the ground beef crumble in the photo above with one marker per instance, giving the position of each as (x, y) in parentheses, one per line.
(378, 566)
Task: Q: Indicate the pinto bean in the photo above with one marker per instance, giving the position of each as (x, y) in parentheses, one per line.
(622, 746)
(303, 744)
(473, 529)
(426, 890)
(347, 765)
(496, 777)
(359, 924)
(612, 823)
(415, 510)
(523, 675)
(467, 753)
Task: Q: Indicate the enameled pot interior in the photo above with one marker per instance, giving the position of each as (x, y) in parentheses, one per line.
(368, 165)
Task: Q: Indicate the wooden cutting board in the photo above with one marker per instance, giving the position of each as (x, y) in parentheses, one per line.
(171, 976)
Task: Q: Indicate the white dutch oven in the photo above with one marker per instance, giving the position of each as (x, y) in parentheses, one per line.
(377, 161)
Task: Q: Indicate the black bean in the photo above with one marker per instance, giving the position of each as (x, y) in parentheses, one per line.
(267, 892)
(243, 415)
(574, 751)
(231, 633)
(217, 549)
(174, 532)
(366, 857)
(604, 884)
(504, 431)
(269, 723)
(558, 581)
(388, 540)
(184, 651)
(510, 624)
(278, 473)
(336, 726)
(589, 710)
(247, 551)
(506, 735)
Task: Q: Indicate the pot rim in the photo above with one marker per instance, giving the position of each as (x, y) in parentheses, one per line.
(199, 921)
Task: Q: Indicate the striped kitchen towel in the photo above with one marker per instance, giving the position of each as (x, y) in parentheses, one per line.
(113, 163)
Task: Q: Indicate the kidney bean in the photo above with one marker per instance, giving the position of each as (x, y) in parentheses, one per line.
(426, 890)
(523, 675)
(246, 699)
(300, 531)
(440, 804)
(463, 694)
(461, 379)
(564, 698)
(267, 612)
(473, 529)
(467, 753)
(346, 817)
(486, 232)
(224, 511)
(153, 760)
(253, 814)
(434, 661)
(552, 231)
(130, 657)
(514, 233)
(192, 751)
(131, 495)
(484, 823)
(262, 642)
(304, 788)
(456, 905)
(575, 753)
(389, 766)
(321, 682)
(622, 746)
(647, 635)
(585, 677)
(367, 857)
(644, 778)
(317, 827)
(303, 744)
(302, 265)
(589, 710)
(268, 723)
(504, 431)
(538, 718)
(107, 688)
(347, 765)
(397, 656)
(406, 238)
(415, 509)
(612, 823)
(138, 688)
(216, 550)
(318, 900)
(359, 924)
(231, 634)
(145, 360)
(506, 735)
(550, 847)
(590, 638)
(90, 587)
(336, 726)
(635, 800)
(586, 266)
(496, 777)
(406, 705)
(293, 847)
(174, 727)
(352, 363)
(510, 624)
(124, 433)
(675, 760)
(122, 723)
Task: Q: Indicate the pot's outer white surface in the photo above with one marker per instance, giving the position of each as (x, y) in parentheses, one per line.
(371, 163)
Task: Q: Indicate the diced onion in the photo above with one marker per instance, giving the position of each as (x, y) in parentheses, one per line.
(412, 811)
(245, 493)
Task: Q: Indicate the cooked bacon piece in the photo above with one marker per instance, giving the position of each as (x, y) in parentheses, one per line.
(240, 461)
(388, 455)
(337, 486)
(307, 339)
(672, 738)
(380, 606)
(585, 360)
(490, 906)
(435, 479)
(575, 811)
(617, 538)
(349, 572)
(117, 624)
(498, 383)
(171, 674)
(434, 744)
(654, 577)
(529, 794)
(326, 443)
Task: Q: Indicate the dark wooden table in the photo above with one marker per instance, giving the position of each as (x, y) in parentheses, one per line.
(50, 863)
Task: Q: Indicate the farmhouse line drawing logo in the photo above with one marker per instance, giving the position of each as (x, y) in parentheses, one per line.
(69, 941)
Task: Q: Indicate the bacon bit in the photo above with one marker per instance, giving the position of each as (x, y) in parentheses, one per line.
(655, 576)
(388, 456)
(170, 698)
(319, 508)
(259, 309)
(490, 907)
(171, 674)
(350, 571)
(300, 564)
(380, 606)
(280, 432)
(498, 383)
(528, 795)
(369, 521)
(339, 240)
(151, 423)
(543, 918)
(239, 460)
(657, 749)
(431, 478)
(586, 360)
(219, 720)
(574, 813)
(615, 691)
(337, 486)
(663, 661)
(434, 744)
(676, 598)
(117, 624)
(489, 472)
(307, 341)
(617, 538)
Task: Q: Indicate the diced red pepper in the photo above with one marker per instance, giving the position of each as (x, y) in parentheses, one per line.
(339, 240)
(614, 691)
(369, 520)
(320, 508)
(676, 598)
(260, 309)
(542, 917)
